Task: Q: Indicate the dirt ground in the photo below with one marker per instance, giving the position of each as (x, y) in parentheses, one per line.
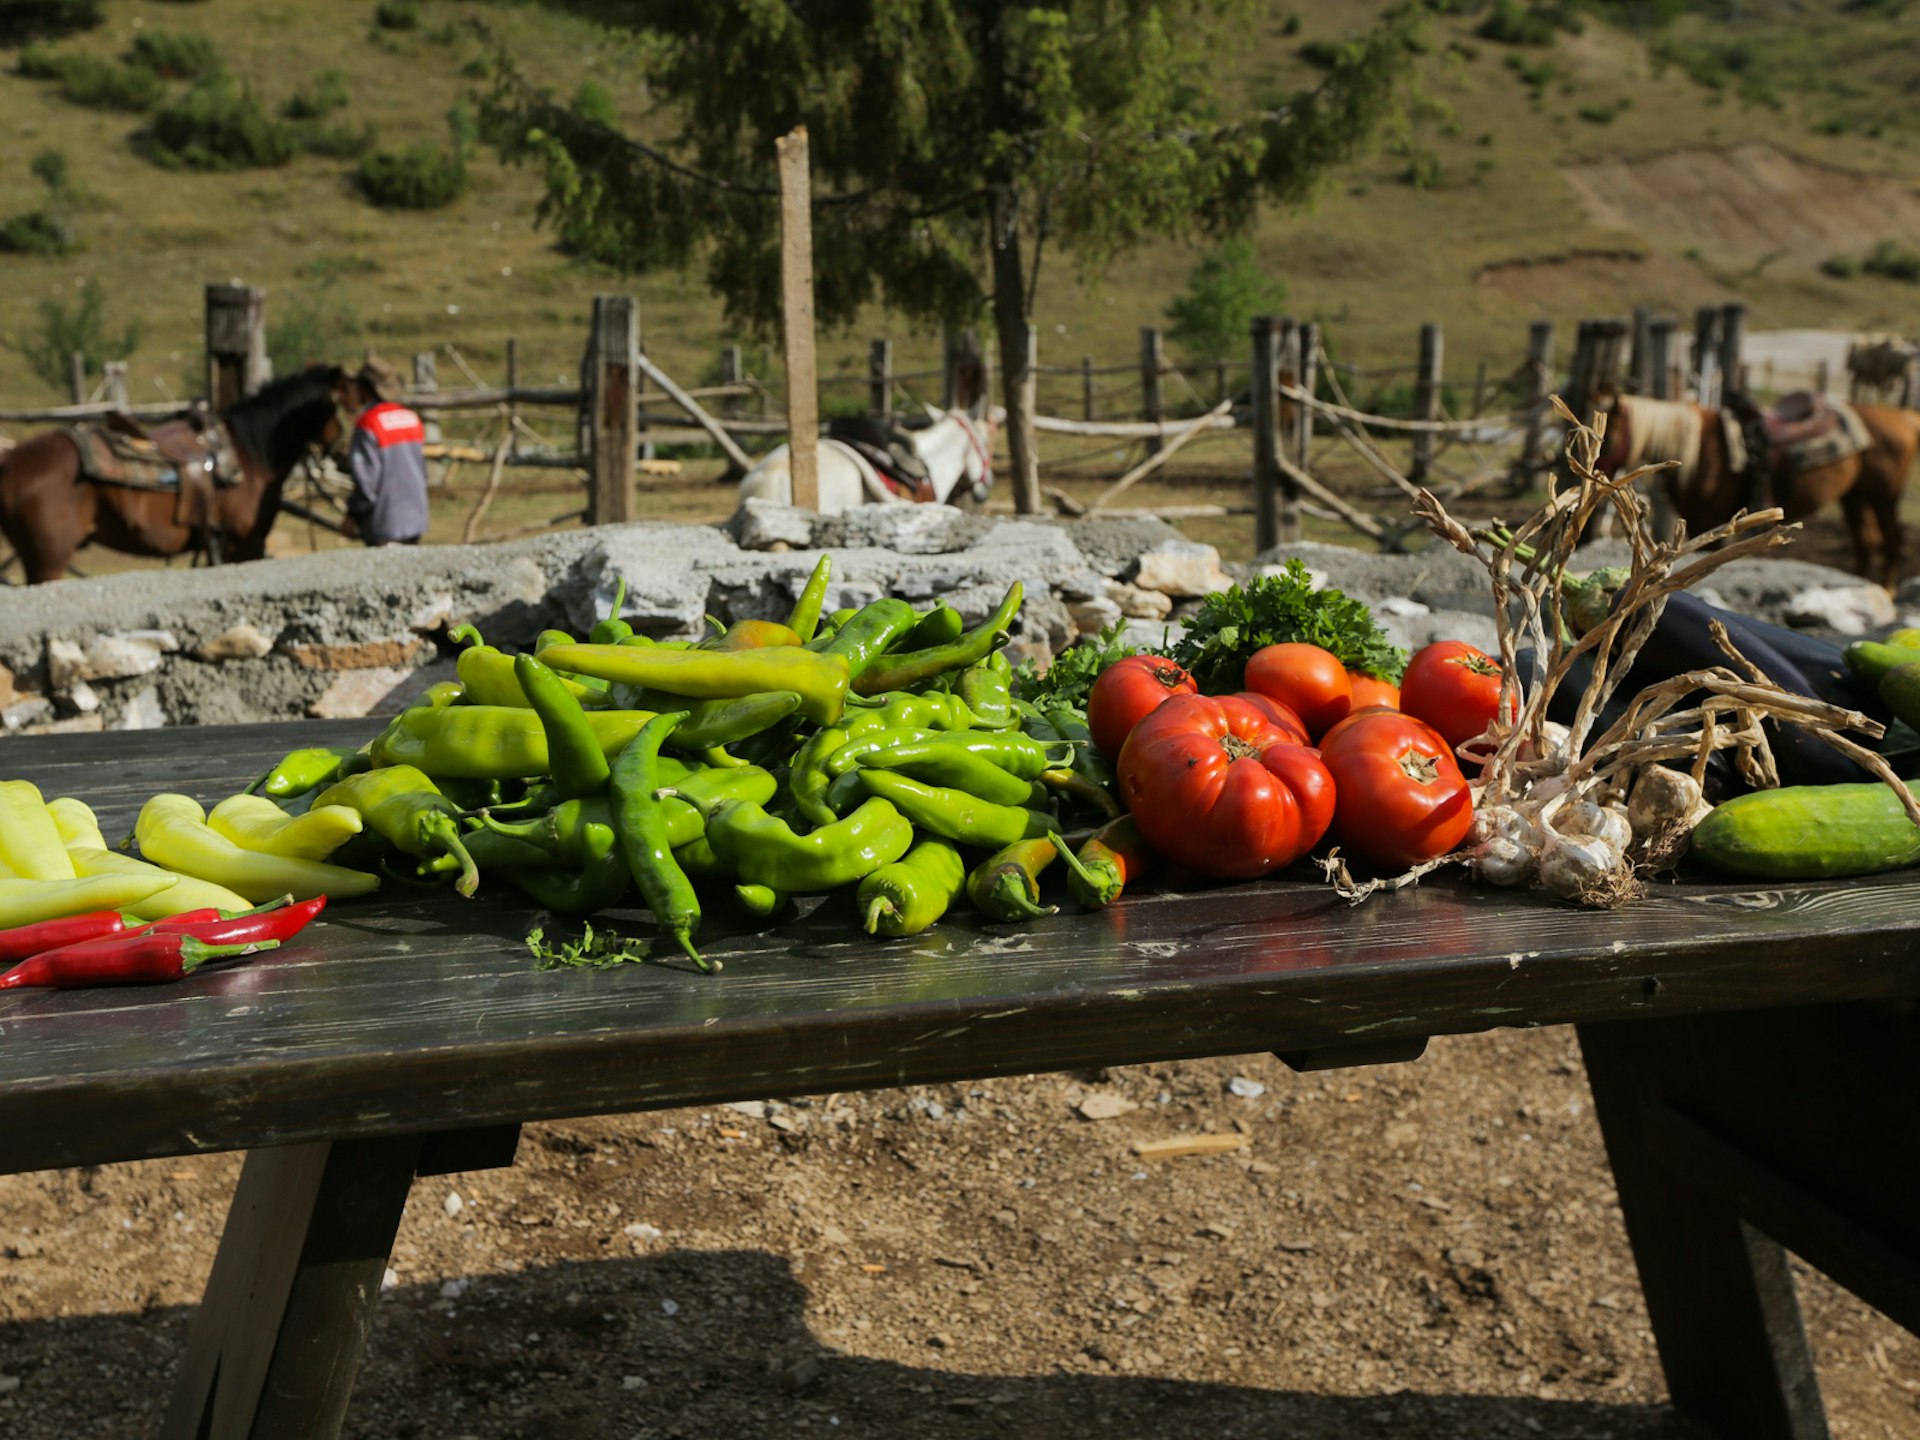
(1429, 1250)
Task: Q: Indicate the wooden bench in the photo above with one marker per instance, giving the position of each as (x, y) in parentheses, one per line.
(1754, 1057)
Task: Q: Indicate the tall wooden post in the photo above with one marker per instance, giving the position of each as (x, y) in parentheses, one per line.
(1276, 512)
(1309, 334)
(77, 377)
(513, 384)
(640, 392)
(426, 378)
(236, 343)
(796, 308)
(880, 378)
(1640, 368)
(1152, 362)
(950, 369)
(1579, 391)
(1287, 413)
(1822, 376)
(1660, 356)
(1539, 385)
(1706, 362)
(1087, 388)
(732, 372)
(612, 407)
(113, 382)
(1610, 353)
(1426, 401)
(1733, 334)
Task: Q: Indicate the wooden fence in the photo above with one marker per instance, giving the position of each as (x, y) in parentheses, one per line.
(626, 409)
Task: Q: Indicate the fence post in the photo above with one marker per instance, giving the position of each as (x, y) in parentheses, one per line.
(732, 372)
(1087, 389)
(513, 384)
(1309, 334)
(1276, 515)
(880, 378)
(1733, 334)
(426, 377)
(796, 306)
(1706, 334)
(1426, 401)
(1219, 381)
(236, 343)
(1579, 389)
(1822, 377)
(1539, 386)
(1286, 356)
(1152, 360)
(114, 382)
(77, 377)
(1660, 356)
(612, 406)
(1609, 354)
(1640, 368)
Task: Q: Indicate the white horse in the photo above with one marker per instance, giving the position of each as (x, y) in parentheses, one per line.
(957, 449)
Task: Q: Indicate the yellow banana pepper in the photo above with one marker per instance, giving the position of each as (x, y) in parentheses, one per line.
(176, 899)
(172, 831)
(29, 841)
(28, 902)
(76, 822)
(255, 823)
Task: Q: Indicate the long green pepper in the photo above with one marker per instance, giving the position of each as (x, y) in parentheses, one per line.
(574, 758)
(953, 766)
(954, 813)
(911, 894)
(804, 620)
(897, 672)
(867, 633)
(406, 809)
(764, 850)
(640, 822)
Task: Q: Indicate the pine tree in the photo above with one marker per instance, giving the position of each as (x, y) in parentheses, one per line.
(953, 142)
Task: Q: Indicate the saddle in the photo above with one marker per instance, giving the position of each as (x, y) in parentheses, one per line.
(1801, 431)
(191, 457)
(890, 452)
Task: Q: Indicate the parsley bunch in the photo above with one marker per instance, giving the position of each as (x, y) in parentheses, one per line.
(594, 950)
(1275, 610)
(1073, 671)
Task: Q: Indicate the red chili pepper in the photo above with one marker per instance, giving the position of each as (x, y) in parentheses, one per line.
(275, 922)
(25, 940)
(139, 959)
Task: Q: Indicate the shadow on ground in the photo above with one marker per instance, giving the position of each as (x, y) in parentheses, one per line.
(688, 1345)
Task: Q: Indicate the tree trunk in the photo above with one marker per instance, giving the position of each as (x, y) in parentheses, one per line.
(1016, 349)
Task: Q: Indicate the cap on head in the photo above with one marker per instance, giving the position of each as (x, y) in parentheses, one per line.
(380, 379)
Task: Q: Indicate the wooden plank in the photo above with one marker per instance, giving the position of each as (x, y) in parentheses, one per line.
(1153, 364)
(236, 341)
(1266, 432)
(880, 379)
(612, 408)
(1718, 1292)
(1733, 334)
(1539, 385)
(796, 299)
(1176, 1147)
(1660, 356)
(737, 457)
(1426, 400)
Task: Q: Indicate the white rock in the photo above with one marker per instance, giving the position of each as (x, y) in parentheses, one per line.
(642, 1231)
(143, 712)
(430, 614)
(1400, 605)
(759, 524)
(455, 1288)
(1246, 1089)
(1092, 616)
(84, 697)
(453, 1204)
(1104, 1105)
(1138, 604)
(1181, 568)
(29, 710)
(1849, 609)
(755, 1108)
(108, 657)
(244, 641)
(390, 1280)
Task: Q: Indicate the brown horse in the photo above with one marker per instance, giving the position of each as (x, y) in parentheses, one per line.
(1710, 487)
(48, 509)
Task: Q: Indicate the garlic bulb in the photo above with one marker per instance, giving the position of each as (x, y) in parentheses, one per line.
(1597, 822)
(1575, 865)
(1503, 845)
(1664, 800)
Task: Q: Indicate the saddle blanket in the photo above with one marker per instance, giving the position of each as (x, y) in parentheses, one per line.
(173, 457)
(1826, 445)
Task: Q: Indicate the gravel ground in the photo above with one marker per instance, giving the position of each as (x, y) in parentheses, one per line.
(1429, 1250)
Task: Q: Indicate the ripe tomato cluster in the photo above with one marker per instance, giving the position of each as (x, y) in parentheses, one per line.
(1240, 785)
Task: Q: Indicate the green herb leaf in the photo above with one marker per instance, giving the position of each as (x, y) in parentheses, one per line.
(1276, 610)
(600, 950)
(1073, 671)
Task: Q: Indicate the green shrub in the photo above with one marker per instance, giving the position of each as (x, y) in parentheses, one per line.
(36, 232)
(1840, 267)
(593, 102)
(40, 62)
(397, 14)
(1536, 24)
(63, 329)
(314, 324)
(1224, 292)
(24, 20)
(50, 168)
(217, 126)
(1893, 261)
(174, 56)
(421, 177)
(1423, 170)
(1603, 114)
(108, 85)
(1323, 54)
(327, 94)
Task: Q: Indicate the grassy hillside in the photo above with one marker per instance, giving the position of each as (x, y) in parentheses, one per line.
(1518, 189)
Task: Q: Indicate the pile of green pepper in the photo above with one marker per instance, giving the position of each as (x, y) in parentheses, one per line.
(880, 748)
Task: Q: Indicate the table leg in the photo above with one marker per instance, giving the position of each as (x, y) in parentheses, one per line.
(1718, 1291)
(277, 1341)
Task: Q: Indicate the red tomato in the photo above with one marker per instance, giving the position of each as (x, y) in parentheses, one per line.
(1126, 691)
(1281, 717)
(1310, 680)
(1367, 690)
(1214, 786)
(1402, 796)
(1454, 688)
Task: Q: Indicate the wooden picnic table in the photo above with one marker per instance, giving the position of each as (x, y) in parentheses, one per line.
(1754, 1056)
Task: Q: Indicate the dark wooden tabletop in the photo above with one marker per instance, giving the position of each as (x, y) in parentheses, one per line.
(411, 1012)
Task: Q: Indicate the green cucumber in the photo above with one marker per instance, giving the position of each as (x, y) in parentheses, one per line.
(1900, 690)
(1872, 659)
(1809, 832)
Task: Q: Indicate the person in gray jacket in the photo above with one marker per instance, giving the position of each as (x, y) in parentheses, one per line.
(388, 461)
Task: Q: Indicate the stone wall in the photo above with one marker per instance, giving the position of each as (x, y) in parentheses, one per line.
(358, 632)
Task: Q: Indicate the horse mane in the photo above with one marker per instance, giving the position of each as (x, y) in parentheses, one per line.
(259, 423)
